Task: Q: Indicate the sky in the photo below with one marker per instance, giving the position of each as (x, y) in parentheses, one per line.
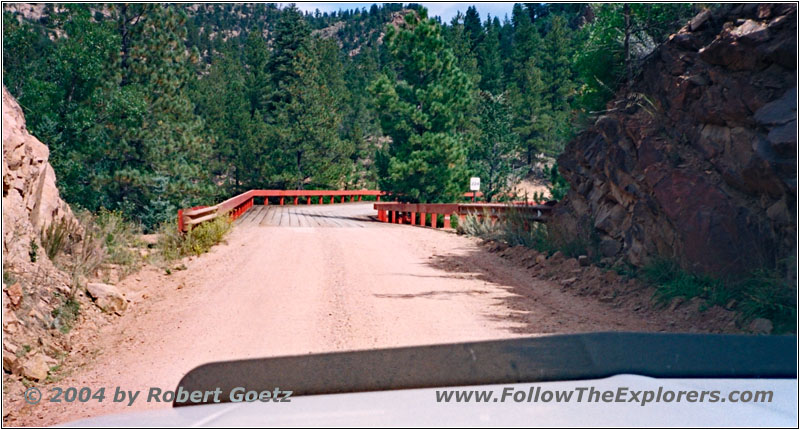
(446, 10)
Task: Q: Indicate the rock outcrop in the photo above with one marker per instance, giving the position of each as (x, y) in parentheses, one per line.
(32, 285)
(30, 198)
(696, 160)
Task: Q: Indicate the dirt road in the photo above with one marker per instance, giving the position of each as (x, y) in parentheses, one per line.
(298, 280)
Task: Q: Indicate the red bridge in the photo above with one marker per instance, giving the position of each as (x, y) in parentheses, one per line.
(402, 213)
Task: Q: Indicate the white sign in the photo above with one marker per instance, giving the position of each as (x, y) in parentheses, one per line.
(474, 184)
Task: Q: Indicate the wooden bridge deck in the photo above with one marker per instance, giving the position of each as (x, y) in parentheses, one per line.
(347, 215)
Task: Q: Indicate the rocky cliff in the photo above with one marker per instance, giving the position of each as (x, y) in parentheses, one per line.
(696, 161)
(31, 283)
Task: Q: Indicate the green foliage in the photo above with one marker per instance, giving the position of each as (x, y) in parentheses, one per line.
(558, 185)
(516, 230)
(605, 61)
(479, 227)
(492, 154)
(490, 62)
(304, 116)
(9, 278)
(673, 282)
(173, 244)
(33, 249)
(513, 229)
(761, 294)
(108, 99)
(23, 351)
(421, 111)
(767, 294)
(147, 108)
(526, 85)
(230, 100)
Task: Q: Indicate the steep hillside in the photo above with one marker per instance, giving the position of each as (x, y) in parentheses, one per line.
(695, 163)
(33, 287)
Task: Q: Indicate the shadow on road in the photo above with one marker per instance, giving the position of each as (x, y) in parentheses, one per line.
(432, 294)
(560, 297)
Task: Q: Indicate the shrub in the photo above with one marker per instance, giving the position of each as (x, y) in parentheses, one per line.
(120, 239)
(765, 294)
(84, 256)
(201, 238)
(55, 236)
(64, 316)
(170, 241)
(34, 249)
(514, 229)
(558, 184)
(173, 245)
(82, 248)
(670, 281)
(480, 227)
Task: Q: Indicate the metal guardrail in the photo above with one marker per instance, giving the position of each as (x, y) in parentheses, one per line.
(417, 213)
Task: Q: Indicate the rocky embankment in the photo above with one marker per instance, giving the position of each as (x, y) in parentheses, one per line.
(695, 162)
(32, 286)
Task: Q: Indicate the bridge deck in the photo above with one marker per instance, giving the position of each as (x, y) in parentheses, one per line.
(348, 215)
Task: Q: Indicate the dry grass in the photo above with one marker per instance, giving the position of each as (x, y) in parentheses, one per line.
(80, 249)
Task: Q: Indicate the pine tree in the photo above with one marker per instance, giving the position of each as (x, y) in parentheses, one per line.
(291, 45)
(459, 40)
(506, 46)
(473, 27)
(256, 57)
(527, 87)
(235, 127)
(559, 85)
(360, 122)
(493, 153)
(171, 134)
(491, 65)
(421, 110)
(302, 111)
(557, 63)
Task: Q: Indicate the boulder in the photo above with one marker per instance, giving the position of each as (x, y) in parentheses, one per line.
(107, 297)
(761, 326)
(14, 293)
(9, 360)
(35, 367)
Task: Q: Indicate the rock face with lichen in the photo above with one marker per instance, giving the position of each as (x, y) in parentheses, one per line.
(696, 161)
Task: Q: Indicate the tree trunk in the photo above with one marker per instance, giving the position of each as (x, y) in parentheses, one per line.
(125, 43)
(299, 170)
(626, 11)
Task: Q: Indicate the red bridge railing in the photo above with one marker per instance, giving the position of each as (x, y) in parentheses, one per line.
(417, 213)
(238, 205)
